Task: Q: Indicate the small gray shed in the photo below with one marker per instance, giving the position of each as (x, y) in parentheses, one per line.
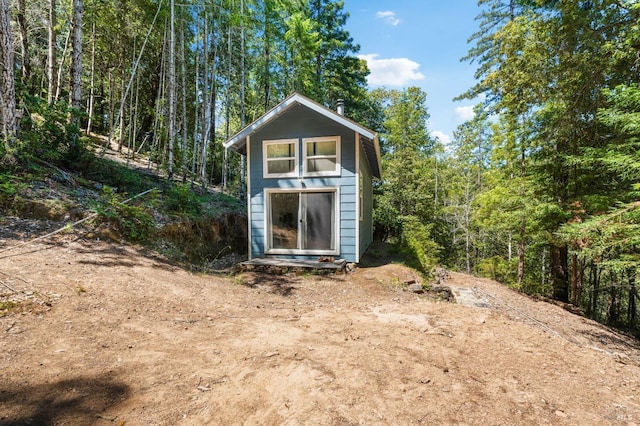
(309, 182)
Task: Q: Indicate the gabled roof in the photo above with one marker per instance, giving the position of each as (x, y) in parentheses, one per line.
(368, 138)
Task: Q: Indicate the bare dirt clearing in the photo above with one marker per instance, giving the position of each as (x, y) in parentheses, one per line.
(114, 334)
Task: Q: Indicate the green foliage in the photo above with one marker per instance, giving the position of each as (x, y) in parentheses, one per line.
(499, 269)
(386, 218)
(9, 185)
(47, 132)
(417, 243)
(180, 199)
(132, 222)
(116, 175)
(611, 240)
(408, 167)
(406, 118)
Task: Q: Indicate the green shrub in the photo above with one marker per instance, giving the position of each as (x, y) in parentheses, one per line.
(181, 199)
(132, 222)
(499, 269)
(417, 243)
(8, 189)
(47, 133)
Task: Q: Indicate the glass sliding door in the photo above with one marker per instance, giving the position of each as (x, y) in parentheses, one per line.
(284, 220)
(318, 229)
(302, 222)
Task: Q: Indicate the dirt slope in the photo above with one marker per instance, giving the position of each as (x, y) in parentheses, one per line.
(116, 335)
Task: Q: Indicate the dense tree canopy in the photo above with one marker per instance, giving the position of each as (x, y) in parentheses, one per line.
(558, 79)
(178, 76)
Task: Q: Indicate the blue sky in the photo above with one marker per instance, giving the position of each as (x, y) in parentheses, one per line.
(419, 43)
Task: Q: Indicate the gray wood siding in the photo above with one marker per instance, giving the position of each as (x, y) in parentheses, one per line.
(366, 225)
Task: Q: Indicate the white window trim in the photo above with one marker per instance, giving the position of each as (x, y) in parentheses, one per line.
(335, 172)
(267, 220)
(265, 160)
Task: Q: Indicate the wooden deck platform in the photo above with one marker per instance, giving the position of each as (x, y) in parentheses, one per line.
(275, 264)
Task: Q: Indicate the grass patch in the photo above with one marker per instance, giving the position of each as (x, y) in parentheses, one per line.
(7, 306)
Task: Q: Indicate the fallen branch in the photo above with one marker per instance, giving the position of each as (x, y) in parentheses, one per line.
(9, 287)
(16, 277)
(10, 327)
(66, 176)
(51, 234)
(109, 419)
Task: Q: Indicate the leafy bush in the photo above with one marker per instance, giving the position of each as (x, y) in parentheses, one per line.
(132, 222)
(47, 133)
(386, 219)
(499, 269)
(8, 188)
(182, 200)
(417, 243)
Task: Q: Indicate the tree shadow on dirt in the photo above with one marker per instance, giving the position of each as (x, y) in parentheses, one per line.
(80, 400)
(382, 253)
(282, 285)
(111, 255)
(608, 337)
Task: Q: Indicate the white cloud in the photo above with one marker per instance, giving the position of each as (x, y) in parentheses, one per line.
(444, 138)
(464, 113)
(389, 17)
(391, 72)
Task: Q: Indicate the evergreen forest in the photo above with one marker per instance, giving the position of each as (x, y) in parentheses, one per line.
(540, 190)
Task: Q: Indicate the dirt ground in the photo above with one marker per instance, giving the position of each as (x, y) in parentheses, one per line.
(114, 334)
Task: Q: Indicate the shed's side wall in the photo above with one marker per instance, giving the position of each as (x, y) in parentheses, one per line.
(366, 224)
(297, 123)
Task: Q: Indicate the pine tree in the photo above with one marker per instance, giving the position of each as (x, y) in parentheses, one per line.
(7, 88)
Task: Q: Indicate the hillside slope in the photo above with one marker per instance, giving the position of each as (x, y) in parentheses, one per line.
(108, 333)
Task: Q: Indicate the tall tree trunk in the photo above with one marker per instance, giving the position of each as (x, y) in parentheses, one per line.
(24, 42)
(194, 152)
(134, 119)
(267, 55)
(205, 103)
(242, 94)
(51, 52)
(7, 88)
(172, 90)
(76, 56)
(184, 99)
(613, 304)
(93, 79)
(633, 295)
(123, 101)
(60, 68)
(467, 227)
(596, 291)
(559, 272)
(467, 242)
(574, 279)
(580, 283)
(521, 251)
(76, 67)
(227, 109)
(523, 220)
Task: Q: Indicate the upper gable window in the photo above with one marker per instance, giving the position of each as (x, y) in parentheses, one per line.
(321, 156)
(280, 158)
